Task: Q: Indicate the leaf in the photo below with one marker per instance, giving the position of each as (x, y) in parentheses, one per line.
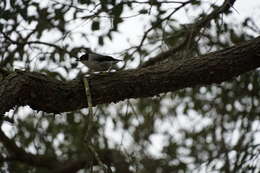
(143, 11)
(196, 3)
(95, 25)
(101, 40)
(117, 10)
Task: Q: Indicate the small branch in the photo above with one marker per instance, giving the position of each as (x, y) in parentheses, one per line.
(88, 119)
(159, 23)
(88, 126)
(35, 42)
(100, 163)
(193, 31)
(7, 119)
(88, 95)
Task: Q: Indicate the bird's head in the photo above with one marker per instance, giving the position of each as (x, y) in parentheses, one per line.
(83, 57)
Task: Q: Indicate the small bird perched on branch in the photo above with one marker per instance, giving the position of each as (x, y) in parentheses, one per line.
(97, 62)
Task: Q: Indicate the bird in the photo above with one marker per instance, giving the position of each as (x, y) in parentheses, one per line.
(97, 62)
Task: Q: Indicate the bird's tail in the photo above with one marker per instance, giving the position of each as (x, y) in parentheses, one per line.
(117, 60)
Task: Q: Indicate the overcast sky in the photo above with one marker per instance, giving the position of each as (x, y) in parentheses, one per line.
(133, 29)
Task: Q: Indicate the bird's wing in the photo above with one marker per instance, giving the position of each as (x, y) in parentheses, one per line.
(108, 58)
(102, 58)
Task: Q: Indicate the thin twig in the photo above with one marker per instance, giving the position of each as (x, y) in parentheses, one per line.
(88, 126)
(159, 23)
(107, 169)
(88, 94)
(90, 107)
(193, 31)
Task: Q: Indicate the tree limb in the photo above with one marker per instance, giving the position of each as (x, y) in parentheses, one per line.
(18, 154)
(108, 156)
(43, 93)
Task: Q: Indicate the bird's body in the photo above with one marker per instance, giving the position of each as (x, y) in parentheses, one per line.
(97, 62)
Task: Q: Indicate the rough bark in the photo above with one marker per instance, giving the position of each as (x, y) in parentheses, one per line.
(43, 93)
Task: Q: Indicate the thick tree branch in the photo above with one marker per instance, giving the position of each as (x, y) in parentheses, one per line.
(43, 93)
